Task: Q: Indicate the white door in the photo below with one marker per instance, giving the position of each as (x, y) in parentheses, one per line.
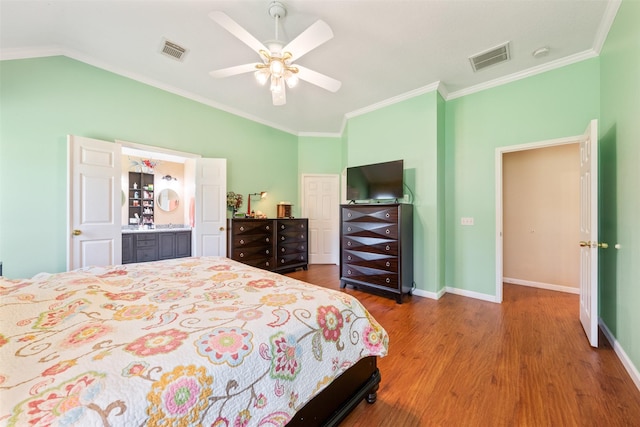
(209, 207)
(94, 197)
(320, 197)
(589, 232)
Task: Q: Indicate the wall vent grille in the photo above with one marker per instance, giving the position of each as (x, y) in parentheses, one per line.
(173, 50)
(490, 57)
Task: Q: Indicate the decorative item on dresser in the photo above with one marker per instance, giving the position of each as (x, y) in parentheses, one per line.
(376, 247)
(270, 244)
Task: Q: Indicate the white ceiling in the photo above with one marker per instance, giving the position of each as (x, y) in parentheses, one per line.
(382, 51)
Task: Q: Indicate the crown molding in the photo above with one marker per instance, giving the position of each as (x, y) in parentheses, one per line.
(562, 62)
(394, 100)
(605, 24)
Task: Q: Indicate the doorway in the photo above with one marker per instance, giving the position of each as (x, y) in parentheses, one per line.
(501, 152)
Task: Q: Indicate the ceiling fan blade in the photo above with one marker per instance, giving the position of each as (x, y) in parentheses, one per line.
(318, 33)
(232, 71)
(313, 77)
(279, 98)
(234, 28)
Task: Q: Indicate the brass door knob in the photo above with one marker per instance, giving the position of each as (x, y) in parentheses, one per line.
(593, 244)
(221, 228)
(77, 232)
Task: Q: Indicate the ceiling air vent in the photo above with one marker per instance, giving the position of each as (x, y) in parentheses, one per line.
(493, 56)
(173, 50)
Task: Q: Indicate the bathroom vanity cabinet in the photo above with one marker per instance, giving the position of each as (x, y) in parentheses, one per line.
(144, 246)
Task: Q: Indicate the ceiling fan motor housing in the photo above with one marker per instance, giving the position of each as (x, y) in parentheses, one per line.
(277, 10)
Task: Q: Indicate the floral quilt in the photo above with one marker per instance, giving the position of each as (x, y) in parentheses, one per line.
(191, 341)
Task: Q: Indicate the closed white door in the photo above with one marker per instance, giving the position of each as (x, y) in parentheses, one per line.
(320, 199)
(209, 209)
(589, 232)
(94, 227)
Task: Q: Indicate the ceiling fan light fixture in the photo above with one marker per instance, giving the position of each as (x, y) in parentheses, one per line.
(276, 66)
(291, 79)
(276, 84)
(262, 76)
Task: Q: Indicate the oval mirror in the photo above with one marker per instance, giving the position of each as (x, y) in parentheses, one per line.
(168, 200)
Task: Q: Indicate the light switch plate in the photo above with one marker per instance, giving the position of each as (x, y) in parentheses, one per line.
(466, 221)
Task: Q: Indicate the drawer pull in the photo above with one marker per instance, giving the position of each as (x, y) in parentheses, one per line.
(387, 215)
(349, 214)
(388, 280)
(302, 247)
(349, 257)
(267, 252)
(283, 250)
(282, 261)
(302, 236)
(388, 264)
(348, 228)
(388, 247)
(266, 240)
(348, 243)
(282, 238)
(268, 228)
(241, 255)
(241, 228)
(282, 227)
(267, 263)
(349, 272)
(242, 242)
(387, 231)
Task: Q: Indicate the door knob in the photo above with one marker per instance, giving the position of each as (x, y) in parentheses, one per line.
(77, 232)
(221, 228)
(594, 245)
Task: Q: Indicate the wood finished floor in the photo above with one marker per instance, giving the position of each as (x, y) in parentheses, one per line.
(464, 362)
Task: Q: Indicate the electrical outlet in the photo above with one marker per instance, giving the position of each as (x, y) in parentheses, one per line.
(466, 221)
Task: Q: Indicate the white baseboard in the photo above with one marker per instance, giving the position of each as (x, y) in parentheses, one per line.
(427, 294)
(622, 355)
(471, 294)
(548, 286)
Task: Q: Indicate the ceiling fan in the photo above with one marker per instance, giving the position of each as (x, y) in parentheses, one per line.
(277, 59)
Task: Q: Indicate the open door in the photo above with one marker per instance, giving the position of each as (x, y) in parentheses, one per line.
(94, 227)
(589, 232)
(207, 206)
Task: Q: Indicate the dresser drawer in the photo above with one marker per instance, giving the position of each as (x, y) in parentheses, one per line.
(374, 214)
(373, 246)
(253, 226)
(248, 240)
(292, 248)
(370, 275)
(378, 262)
(370, 229)
(289, 259)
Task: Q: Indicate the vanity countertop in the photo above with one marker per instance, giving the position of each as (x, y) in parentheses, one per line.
(154, 230)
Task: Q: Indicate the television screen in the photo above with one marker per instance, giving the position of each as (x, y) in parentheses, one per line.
(379, 181)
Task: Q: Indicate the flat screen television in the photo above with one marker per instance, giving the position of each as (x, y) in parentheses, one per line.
(379, 181)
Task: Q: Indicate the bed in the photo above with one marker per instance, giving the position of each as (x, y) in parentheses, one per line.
(193, 341)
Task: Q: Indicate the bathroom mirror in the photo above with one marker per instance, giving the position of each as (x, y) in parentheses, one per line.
(168, 200)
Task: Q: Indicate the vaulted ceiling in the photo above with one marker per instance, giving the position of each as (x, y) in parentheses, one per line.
(381, 50)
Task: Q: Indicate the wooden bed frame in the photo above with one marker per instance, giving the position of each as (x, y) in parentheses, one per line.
(336, 401)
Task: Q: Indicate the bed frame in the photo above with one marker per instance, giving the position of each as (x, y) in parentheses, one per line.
(336, 401)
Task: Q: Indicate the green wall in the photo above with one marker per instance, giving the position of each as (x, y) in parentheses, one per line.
(554, 104)
(408, 130)
(321, 155)
(45, 99)
(620, 179)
